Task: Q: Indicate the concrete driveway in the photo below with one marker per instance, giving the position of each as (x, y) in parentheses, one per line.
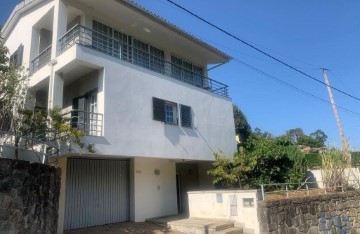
(126, 227)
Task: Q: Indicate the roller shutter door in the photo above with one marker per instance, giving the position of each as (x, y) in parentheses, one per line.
(97, 192)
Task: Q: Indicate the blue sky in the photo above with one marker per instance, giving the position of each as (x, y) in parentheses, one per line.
(307, 34)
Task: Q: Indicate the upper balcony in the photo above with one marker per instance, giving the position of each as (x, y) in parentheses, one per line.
(129, 52)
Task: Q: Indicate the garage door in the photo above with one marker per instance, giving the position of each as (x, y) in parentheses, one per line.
(97, 192)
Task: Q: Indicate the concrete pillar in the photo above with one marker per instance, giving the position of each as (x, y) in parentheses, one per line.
(56, 90)
(62, 164)
(167, 58)
(59, 25)
(101, 97)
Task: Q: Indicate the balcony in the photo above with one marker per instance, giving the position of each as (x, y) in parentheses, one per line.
(89, 122)
(41, 60)
(113, 47)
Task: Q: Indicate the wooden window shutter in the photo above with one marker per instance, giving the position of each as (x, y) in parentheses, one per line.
(185, 114)
(159, 109)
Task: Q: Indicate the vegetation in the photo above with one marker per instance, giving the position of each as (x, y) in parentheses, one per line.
(262, 160)
(315, 140)
(314, 159)
(333, 168)
(242, 127)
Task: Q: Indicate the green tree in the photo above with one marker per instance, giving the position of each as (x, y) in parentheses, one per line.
(242, 127)
(320, 137)
(294, 134)
(258, 133)
(262, 160)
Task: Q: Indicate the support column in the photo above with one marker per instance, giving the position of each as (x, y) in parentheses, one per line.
(59, 25)
(101, 98)
(56, 90)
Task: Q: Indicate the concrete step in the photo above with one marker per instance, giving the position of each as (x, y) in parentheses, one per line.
(232, 230)
(223, 226)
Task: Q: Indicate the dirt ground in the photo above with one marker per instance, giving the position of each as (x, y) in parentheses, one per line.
(126, 227)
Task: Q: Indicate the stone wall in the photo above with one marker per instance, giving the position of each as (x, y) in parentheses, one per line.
(29, 196)
(328, 213)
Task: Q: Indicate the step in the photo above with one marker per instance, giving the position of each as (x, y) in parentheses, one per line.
(223, 226)
(233, 230)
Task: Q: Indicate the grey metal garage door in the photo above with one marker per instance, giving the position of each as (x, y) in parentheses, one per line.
(97, 192)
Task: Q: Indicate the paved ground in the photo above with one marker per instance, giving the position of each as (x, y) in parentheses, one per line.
(126, 227)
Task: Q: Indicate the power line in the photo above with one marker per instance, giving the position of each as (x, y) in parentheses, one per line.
(261, 51)
(292, 86)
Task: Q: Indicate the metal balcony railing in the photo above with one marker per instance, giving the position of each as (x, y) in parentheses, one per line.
(41, 60)
(89, 122)
(127, 52)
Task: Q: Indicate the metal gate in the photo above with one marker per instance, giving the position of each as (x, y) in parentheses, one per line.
(97, 192)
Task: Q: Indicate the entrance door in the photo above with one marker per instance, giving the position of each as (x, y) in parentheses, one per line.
(178, 192)
(97, 192)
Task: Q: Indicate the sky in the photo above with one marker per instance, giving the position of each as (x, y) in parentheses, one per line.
(307, 34)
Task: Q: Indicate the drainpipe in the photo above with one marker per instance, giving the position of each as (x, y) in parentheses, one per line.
(52, 63)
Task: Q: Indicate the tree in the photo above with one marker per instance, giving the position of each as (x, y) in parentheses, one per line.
(262, 160)
(242, 127)
(258, 133)
(294, 134)
(320, 137)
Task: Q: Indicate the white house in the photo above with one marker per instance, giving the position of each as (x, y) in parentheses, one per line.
(138, 86)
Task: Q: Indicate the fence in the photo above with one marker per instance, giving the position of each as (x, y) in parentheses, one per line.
(153, 61)
(27, 147)
(305, 188)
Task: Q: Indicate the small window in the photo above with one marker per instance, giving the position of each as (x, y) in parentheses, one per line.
(164, 111)
(170, 110)
(186, 117)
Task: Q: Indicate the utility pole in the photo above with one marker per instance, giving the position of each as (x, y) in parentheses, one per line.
(337, 118)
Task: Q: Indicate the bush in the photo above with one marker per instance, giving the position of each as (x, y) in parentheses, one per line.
(261, 161)
(313, 160)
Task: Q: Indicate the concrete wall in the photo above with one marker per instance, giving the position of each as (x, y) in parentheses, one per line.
(29, 195)
(330, 213)
(315, 176)
(154, 188)
(226, 205)
(128, 93)
(23, 32)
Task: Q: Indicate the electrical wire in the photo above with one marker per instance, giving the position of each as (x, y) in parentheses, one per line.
(261, 51)
(292, 86)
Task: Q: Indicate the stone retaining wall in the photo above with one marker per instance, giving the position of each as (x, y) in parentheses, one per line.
(329, 213)
(29, 196)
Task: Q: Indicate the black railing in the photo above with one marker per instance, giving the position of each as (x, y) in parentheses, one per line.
(89, 122)
(115, 48)
(41, 60)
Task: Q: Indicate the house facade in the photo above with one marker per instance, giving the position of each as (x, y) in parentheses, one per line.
(138, 87)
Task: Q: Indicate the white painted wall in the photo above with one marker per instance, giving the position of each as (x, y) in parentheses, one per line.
(316, 176)
(215, 204)
(22, 33)
(154, 195)
(128, 113)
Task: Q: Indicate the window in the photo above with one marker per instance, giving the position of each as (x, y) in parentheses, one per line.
(112, 42)
(187, 72)
(102, 38)
(167, 112)
(141, 55)
(157, 60)
(84, 115)
(164, 111)
(185, 115)
(170, 113)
